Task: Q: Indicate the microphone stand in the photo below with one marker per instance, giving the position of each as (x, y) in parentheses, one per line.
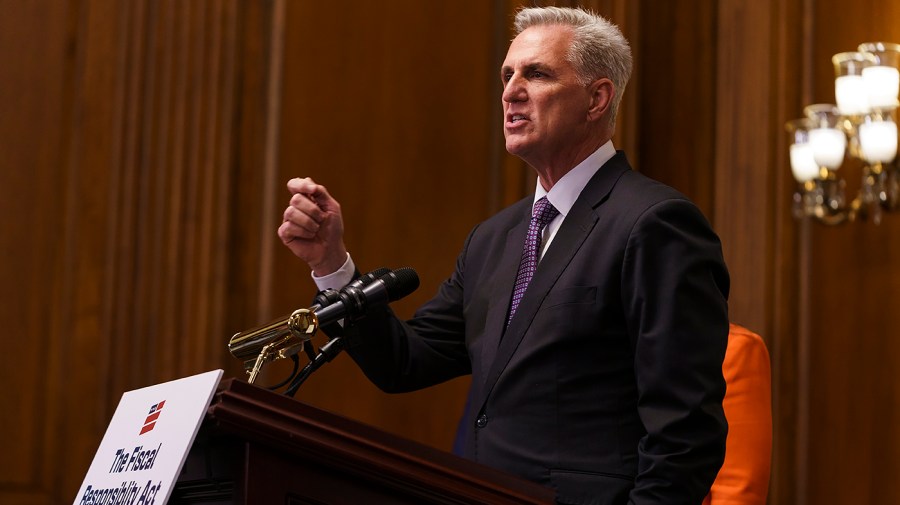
(285, 337)
(326, 353)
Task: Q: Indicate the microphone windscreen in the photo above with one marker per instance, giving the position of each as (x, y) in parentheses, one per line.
(400, 283)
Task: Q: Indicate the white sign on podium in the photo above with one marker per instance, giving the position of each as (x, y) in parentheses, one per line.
(147, 442)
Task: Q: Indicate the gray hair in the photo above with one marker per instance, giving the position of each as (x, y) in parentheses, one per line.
(598, 47)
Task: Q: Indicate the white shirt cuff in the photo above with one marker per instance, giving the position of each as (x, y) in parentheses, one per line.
(337, 279)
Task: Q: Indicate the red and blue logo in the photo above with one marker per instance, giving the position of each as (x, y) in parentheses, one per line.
(150, 422)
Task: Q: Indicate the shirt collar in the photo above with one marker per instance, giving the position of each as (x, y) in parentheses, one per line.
(566, 190)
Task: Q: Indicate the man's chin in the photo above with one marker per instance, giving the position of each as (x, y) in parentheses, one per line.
(516, 148)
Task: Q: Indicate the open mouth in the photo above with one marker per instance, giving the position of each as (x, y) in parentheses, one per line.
(513, 120)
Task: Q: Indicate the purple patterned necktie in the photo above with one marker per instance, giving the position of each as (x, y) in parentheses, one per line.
(543, 213)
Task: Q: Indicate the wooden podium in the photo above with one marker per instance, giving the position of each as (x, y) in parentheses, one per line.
(259, 447)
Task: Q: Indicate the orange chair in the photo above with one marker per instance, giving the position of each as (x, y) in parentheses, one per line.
(744, 477)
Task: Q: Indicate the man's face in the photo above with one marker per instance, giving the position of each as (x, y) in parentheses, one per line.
(545, 107)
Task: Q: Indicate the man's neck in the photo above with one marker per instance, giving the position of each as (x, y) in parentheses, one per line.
(550, 172)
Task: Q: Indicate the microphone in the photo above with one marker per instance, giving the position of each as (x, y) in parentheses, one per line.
(369, 278)
(328, 296)
(355, 301)
(354, 304)
(285, 337)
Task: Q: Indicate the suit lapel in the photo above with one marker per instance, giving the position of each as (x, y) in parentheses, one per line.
(576, 227)
(501, 288)
(568, 240)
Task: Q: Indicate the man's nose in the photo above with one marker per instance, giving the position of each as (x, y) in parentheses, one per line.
(514, 90)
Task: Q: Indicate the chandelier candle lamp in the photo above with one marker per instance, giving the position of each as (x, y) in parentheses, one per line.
(863, 125)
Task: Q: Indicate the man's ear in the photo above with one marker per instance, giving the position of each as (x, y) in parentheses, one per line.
(602, 92)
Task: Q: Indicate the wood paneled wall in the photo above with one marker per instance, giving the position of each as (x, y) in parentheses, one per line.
(30, 194)
(144, 148)
(401, 127)
(128, 133)
(853, 325)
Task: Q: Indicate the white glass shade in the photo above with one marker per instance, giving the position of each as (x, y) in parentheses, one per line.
(850, 94)
(849, 87)
(803, 164)
(882, 76)
(828, 146)
(881, 85)
(878, 141)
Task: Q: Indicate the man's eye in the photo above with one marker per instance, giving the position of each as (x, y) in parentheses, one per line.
(506, 77)
(537, 75)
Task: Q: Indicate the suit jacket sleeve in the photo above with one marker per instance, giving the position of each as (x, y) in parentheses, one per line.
(401, 356)
(674, 290)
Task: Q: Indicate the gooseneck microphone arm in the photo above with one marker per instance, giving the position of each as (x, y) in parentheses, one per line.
(326, 353)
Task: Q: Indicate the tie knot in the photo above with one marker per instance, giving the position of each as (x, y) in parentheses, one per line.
(543, 211)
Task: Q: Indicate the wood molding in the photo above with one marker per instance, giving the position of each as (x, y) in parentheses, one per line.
(789, 301)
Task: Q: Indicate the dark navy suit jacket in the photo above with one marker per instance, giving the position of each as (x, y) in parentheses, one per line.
(607, 385)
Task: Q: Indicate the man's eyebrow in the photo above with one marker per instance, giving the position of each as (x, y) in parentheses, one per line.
(537, 66)
(528, 68)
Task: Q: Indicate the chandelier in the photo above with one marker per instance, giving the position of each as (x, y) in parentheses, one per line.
(859, 131)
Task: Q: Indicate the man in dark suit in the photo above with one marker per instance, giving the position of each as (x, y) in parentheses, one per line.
(592, 315)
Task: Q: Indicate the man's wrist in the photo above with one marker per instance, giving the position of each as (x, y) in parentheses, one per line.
(330, 264)
(338, 277)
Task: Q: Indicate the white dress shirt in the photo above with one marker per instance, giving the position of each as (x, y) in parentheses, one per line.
(566, 190)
